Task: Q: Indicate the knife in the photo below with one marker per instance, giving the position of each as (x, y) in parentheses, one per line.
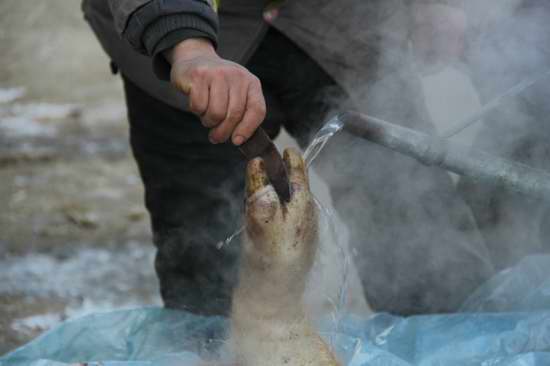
(260, 145)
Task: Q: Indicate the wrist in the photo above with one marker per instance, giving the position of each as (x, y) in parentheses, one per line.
(189, 49)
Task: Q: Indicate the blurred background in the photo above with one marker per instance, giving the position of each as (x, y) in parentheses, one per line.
(74, 236)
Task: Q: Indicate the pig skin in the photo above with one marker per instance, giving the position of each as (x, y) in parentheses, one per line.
(269, 324)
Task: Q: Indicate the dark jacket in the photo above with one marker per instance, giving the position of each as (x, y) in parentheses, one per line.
(134, 32)
(345, 36)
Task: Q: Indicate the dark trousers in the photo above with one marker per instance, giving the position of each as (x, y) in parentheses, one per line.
(411, 234)
(194, 190)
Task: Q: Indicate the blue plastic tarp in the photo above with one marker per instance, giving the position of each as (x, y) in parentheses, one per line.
(506, 322)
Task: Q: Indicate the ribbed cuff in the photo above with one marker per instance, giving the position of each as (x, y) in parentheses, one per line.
(154, 21)
(453, 3)
(167, 28)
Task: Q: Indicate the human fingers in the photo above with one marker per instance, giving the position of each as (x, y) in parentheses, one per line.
(235, 111)
(218, 100)
(254, 113)
(196, 86)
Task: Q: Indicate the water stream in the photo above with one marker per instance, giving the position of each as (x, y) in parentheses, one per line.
(329, 227)
(332, 127)
(329, 129)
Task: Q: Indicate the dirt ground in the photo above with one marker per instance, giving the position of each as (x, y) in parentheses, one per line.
(73, 216)
(74, 236)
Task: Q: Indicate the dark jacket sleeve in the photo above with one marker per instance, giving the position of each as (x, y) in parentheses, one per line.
(453, 3)
(153, 26)
(149, 25)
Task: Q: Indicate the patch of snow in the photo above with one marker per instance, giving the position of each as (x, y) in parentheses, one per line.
(107, 112)
(89, 281)
(35, 323)
(89, 306)
(11, 94)
(109, 193)
(44, 110)
(90, 148)
(25, 127)
(21, 181)
(100, 276)
(133, 179)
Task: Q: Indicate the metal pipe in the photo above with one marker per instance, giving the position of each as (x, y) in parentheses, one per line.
(435, 151)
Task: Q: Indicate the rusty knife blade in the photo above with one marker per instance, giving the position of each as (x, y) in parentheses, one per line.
(260, 145)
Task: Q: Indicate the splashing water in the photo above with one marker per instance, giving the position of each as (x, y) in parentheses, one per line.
(329, 129)
(321, 138)
(230, 238)
(338, 303)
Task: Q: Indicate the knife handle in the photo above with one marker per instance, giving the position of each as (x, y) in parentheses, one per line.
(261, 145)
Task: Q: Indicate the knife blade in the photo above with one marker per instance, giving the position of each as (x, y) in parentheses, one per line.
(261, 145)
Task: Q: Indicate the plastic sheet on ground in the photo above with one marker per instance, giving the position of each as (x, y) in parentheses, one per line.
(505, 323)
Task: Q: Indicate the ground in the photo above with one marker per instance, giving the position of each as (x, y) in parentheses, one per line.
(74, 233)
(74, 236)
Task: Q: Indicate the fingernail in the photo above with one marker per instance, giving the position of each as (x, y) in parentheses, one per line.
(212, 141)
(238, 140)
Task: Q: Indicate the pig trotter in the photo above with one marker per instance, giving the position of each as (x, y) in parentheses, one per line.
(270, 326)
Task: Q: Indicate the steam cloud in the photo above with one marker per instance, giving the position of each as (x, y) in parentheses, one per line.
(422, 242)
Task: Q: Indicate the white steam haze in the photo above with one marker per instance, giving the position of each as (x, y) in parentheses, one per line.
(457, 232)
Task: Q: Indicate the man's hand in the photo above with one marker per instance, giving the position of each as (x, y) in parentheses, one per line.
(226, 96)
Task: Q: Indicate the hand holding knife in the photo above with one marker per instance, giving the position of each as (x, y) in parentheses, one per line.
(217, 87)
